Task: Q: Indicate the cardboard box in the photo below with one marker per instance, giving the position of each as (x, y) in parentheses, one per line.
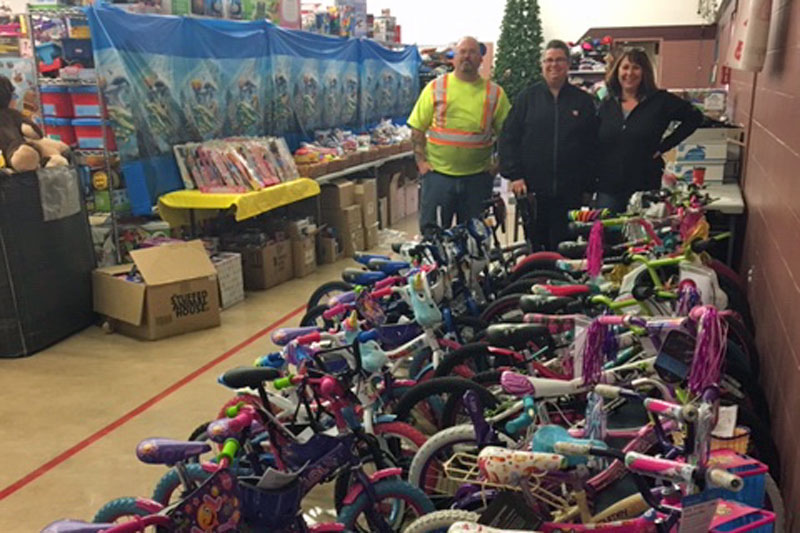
(352, 241)
(230, 278)
(383, 212)
(716, 151)
(346, 218)
(337, 195)
(327, 250)
(685, 170)
(366, 195)
(371, 236)
(412, 197)
(179, 293)
(304, 256)
(266, 266)
(397, 198)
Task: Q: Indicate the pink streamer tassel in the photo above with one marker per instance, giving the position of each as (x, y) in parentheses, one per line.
(594, 251)
(709, 350)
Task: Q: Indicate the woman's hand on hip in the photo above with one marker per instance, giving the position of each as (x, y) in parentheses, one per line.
(519, 188)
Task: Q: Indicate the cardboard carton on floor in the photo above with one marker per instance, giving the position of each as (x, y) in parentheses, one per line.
(266, 266)
(230, 277)
(412, 197)
(304, 255)
(345, 218)
(352, 241)
(178, 294)
(371, 236)
(366, 195)
(328, 250)
(383, 211)
(338, 194)
(397, 198)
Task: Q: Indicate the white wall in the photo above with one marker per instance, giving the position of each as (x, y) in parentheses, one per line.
(444, 21)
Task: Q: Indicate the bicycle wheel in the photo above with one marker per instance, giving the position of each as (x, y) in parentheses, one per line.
(440, 521)
(426, 471)
(325, 291)
(313, 317)
(168, 487)
(505, 309)
(400, 439)
(423, 404)
(119, 509)
(397, 502)
(473, 359)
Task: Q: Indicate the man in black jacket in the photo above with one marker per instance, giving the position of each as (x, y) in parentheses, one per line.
(547, 146)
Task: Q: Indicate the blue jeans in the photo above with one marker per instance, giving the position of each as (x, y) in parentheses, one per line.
(463, 196)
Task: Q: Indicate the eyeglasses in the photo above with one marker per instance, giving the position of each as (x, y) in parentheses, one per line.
(555, 61)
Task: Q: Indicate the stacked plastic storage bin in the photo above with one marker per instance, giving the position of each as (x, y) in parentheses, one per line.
(58, 113)
(88, 122)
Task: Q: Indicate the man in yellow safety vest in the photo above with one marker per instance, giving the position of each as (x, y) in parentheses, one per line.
(454, 125)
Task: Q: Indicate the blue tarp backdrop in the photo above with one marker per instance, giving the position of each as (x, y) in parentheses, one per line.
(171, 80)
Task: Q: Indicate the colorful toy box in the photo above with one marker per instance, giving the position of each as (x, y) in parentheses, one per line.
(56, 102)
(85, 101)
(89, 132)
(60, 129)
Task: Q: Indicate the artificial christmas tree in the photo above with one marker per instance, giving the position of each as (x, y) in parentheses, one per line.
(520, 47)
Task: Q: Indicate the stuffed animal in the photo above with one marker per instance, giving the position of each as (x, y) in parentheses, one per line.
(22, 144)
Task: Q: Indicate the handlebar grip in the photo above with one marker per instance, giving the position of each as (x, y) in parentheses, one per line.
(518, 424)
(229, 450)
(700, 246)
(283, 383)
(309, 338)
(387, 282)
(233, 410)
(612, 320)
(610, 392)
(660, 468)
(334, 311)
(381, 293)
(724, 479)
(572, 448)
(684, 413)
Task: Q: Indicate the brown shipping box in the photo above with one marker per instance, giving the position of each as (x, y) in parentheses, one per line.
(352, 241)
(371, 236)
(337, 194)
(304, 256)
(179, 293)
(397, 198)
(328, 250)
(367, 197)
(266, 266)
(412, 197)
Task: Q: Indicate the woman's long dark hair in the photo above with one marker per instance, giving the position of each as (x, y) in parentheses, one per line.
(637, 56)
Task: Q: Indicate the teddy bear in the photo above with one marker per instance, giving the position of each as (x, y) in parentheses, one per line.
(23, 146)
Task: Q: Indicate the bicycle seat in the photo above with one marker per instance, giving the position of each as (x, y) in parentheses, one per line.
(283, 336)
(522, 385)
(545, 438)
(514, 335)
(387, 266)
(364, 258)
(548, 305)
(168, 451)
(248, 376)
(572, 249)
(507, 467)
(362, 277)
(76, 526)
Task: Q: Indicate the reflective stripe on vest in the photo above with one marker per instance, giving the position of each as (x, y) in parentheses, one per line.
(439, 133)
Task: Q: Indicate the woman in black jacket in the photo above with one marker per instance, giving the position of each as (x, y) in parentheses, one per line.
(633, 119)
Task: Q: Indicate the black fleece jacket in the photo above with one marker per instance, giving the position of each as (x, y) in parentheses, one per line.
(550, 142)
(626, 146)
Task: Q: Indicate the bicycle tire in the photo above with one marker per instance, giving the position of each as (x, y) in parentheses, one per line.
(453, 405)
(419, 471)
(118, 508)
(326, 288)
(385, 489)
(382, 430)
(495, 311)
(170, 482)
(775, 503)
(313, 315)
(437, 387)
(440, 521)
(480, 354)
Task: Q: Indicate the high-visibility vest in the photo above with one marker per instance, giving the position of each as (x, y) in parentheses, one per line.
(439, 133)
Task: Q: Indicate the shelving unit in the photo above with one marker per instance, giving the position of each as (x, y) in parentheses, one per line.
(362, 167)
(60, 12)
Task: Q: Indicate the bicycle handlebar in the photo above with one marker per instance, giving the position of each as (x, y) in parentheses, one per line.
(681, 413)
(678, 472)
(309, 338)
(336, 310)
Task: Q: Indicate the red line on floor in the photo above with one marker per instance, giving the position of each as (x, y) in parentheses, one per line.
(130, 415)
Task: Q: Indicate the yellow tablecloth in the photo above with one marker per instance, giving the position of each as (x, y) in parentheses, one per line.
(174, 207)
